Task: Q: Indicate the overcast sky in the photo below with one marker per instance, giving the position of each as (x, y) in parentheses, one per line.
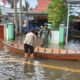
(32, 3)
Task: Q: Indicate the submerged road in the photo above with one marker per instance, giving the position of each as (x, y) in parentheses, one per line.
(30, 62)
(13, 67)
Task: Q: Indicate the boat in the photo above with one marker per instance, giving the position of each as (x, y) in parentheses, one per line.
(47, 53)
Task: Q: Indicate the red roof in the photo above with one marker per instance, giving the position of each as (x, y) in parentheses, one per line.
(42, 6)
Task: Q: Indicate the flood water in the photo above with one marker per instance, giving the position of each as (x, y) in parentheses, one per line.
(73, 44)
(14, 67)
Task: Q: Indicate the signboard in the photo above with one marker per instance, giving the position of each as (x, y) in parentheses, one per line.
(75, 9)
(73, 1)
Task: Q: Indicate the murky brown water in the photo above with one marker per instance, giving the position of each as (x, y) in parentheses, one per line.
(73, 44)
(13, 67)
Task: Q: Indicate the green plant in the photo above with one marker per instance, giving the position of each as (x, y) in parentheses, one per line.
(57, 10)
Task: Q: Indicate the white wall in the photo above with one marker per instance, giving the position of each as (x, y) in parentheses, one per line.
(54, 37)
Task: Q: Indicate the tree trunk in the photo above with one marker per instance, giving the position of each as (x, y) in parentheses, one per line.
(15, 17)
(20, 17)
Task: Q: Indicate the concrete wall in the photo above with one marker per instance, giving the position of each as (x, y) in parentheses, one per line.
(54, 37)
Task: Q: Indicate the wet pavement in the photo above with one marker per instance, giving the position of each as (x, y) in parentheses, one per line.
(14, 67)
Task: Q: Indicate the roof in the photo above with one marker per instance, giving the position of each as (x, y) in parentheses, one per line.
(42, 6)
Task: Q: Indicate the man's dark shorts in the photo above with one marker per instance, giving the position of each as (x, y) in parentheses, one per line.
(28, 48)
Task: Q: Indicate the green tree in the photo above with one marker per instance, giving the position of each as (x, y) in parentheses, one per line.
(57, 11)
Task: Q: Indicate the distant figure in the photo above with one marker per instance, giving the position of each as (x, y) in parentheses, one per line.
(44, 36)
(25, 27)
(0, 20)
(0, 15)
(40, 32)
(30, 43)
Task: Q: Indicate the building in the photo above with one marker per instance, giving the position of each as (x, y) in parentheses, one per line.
(40, 13)
(73, 10)
(36, 17)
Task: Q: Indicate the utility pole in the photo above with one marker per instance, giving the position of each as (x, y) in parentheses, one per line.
(20, 17)
(67, 23)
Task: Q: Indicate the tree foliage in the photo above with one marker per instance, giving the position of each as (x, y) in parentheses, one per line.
(57, 10)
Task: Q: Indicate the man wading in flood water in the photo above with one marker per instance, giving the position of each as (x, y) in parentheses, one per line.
(30, 44)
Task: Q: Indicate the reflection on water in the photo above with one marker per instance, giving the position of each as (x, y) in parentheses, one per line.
(29, 71)
(72, 45)
(10, 70)
(15, 68)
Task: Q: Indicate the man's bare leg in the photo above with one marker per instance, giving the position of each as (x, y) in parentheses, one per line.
(26, 56)
(32, 56)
